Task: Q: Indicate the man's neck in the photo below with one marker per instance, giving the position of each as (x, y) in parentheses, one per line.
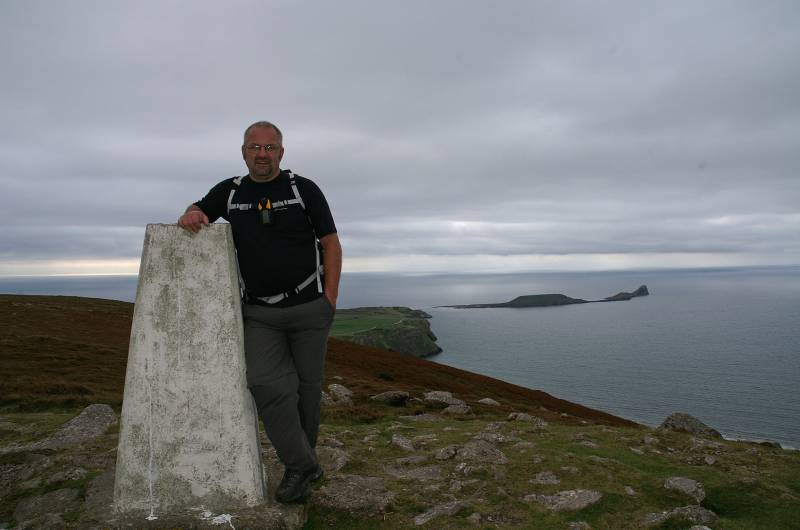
(264, 179)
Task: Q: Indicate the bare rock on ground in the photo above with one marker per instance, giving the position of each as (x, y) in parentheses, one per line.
(449, 509)
(99, 500)
(481, 451)
(402, 442)
(446, 453)
(701, 444)
(332, 458)
(327, 400)
(682, 422)
(330, 441)
(93, 421)
(396, 398)
(422, 474)
(75, 473)
(567, 500)
(457, 410)
(409, 461)
(545, 477)
(496, 437)
(701, 460)
(687, 486)
(423, 417)
(458, 485)
(100, 492)
(522, 416)
(342, 394)
(354, 493)
(15, 474)
(46, 511)
(694, 514)
(650, 440)
(424, 439)
(441, 399)
(489, 401)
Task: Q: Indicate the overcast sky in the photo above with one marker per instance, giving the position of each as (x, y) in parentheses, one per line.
(447, 135)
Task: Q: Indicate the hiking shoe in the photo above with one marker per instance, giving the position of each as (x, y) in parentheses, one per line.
(295, 486)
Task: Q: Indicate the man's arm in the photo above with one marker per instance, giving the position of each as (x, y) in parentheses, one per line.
(332, 263)
(193, 219)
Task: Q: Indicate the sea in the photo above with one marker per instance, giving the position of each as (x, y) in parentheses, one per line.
(720, 344)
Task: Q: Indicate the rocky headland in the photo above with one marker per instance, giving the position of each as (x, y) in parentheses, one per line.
(548, 300)
(398, 329)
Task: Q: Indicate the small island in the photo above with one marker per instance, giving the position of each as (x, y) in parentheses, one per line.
(548, 300)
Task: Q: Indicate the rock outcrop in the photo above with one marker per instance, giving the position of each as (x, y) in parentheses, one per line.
(355, 493)
(396, 398)
(641, 291)
(682, 422)
(567, 500)
(687, 486)
(449, 509)
(341, 394)
(441, 399)
(93, 421)
(693, 514)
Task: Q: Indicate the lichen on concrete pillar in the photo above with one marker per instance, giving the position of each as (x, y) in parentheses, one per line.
(189, 431)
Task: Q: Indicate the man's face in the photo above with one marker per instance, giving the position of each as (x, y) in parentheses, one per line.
(263, 162)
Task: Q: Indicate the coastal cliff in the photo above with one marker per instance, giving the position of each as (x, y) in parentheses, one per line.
(398, 329)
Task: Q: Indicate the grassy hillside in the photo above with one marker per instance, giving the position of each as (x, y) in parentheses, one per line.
(59, 353)
(64, 351)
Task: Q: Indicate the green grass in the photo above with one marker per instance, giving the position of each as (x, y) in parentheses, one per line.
(349, 324)
(742, 502)
(500, 489)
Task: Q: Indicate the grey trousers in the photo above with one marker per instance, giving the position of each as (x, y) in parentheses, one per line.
(285, 354)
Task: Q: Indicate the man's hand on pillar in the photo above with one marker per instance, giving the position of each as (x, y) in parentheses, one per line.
(193, 219)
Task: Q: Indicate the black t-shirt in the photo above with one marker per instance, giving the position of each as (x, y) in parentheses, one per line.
(273, 258)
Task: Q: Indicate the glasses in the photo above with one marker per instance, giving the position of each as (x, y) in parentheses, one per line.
(256, 148)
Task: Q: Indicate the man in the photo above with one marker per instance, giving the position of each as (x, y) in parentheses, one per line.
(290, 284)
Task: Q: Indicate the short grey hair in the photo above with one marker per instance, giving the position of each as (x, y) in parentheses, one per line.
(263, 124)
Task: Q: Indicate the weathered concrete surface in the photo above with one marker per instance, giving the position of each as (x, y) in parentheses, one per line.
(188, 435)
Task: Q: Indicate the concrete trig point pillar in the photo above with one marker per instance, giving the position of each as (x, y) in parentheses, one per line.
(189, 432)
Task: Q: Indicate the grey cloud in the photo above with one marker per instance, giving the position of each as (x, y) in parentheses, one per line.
(71, 242)
(553, 128)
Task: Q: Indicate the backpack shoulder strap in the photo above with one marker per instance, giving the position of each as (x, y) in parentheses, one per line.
(293, 184)
(235, 182)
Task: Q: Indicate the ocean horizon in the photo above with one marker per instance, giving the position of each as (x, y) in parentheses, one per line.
(720, 344)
